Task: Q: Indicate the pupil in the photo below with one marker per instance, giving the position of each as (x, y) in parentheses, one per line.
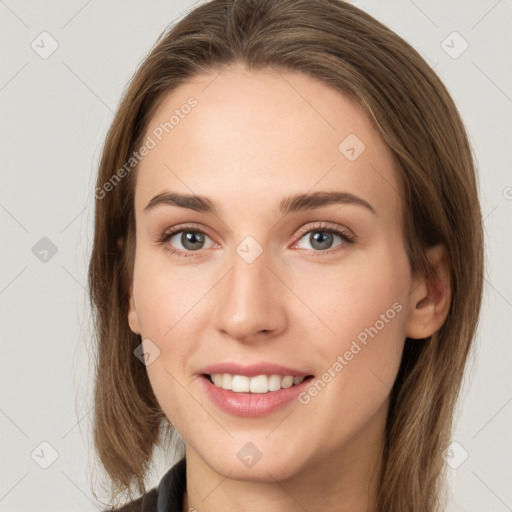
(190, 238)
(319, 238)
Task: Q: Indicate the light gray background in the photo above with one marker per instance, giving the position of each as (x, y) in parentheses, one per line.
(55, 113)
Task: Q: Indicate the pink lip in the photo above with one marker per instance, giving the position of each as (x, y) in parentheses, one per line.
(252, 370)
(251, 404)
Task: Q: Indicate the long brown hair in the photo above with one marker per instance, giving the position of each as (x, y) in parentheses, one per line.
(349, 50)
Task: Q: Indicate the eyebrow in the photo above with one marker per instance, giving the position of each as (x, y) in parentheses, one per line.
(295, 203)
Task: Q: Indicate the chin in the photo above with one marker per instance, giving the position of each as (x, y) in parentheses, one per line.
(268, 468)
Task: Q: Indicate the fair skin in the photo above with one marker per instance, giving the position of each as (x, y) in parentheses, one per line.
(254, 139)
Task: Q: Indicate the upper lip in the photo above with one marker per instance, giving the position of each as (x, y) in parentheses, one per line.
(252, 370)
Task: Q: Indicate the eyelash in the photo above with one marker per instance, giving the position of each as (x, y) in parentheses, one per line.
(323, 227)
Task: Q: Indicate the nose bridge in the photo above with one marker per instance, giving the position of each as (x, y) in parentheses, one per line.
(249, 300)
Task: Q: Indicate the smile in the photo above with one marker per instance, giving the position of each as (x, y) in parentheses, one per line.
(242, 401)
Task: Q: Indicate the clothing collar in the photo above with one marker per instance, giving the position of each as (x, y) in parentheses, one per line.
(172, 487)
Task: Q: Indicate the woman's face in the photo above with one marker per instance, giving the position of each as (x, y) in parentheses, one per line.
(255, 274)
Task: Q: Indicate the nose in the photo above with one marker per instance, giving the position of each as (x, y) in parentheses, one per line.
(250, 303)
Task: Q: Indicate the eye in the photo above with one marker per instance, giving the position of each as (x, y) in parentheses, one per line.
(183, 240)
(321, 238)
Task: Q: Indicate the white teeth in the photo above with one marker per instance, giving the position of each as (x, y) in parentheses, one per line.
(217, 379)
(227, 381)
(258, 384)
(241, 384)
(287, 382)
(274, 383)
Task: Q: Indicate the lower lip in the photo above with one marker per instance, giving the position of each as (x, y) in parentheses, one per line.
(251, 404)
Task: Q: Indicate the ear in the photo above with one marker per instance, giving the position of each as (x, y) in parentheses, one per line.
(133, 318)
(430, 302)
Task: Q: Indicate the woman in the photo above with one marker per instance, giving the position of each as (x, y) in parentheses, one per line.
(287, 265)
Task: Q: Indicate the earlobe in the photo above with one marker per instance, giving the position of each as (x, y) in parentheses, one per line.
(430, 301)
(133, 319)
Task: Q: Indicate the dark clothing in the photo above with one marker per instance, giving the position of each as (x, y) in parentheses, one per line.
(166, 497)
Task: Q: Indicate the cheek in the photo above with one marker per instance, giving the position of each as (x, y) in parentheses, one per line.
(171, 313)
(166, 298)
(352, 299)
(364, 307)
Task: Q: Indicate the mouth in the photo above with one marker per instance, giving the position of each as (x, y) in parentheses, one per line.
(259, 384)
(255, 396)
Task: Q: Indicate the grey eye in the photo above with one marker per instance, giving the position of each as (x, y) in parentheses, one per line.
(321, 239)
(190, 240)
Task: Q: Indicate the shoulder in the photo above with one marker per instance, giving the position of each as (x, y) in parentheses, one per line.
(146, 503)
(168, 495)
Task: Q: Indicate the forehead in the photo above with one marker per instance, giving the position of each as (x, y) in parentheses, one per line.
(246, 139)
